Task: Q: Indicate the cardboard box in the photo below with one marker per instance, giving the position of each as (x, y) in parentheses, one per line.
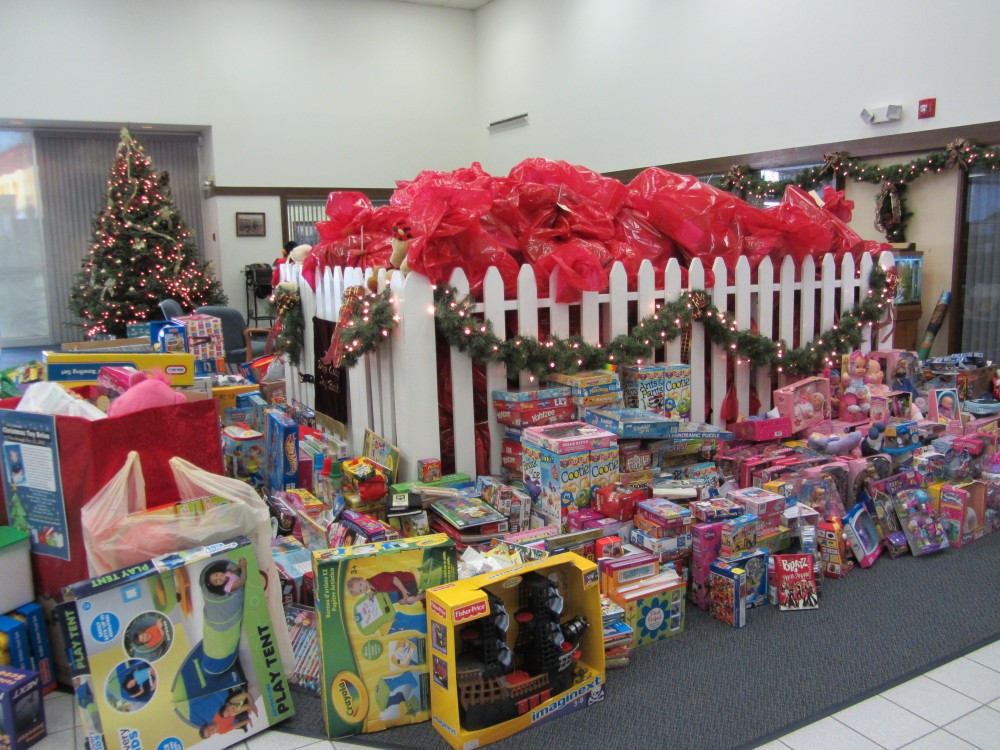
(677, 392)
(630, 422)
(805, 403)
(493, 676)
(15, 649)
(168, 647)
(33, 617)
(15, 561)
(282, 435)
(371, 604)
(654, 607)
(22, 711)
(81, 367)
(962, 509)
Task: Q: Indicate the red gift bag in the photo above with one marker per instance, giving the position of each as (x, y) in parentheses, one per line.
(92, 453)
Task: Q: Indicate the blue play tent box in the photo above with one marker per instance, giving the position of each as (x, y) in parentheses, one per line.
(176, 652)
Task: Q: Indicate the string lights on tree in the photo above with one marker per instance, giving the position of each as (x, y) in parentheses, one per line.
(140, 252)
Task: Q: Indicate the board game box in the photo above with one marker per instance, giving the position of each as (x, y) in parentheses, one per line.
(176, 652)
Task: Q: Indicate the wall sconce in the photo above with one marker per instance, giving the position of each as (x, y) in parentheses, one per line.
(878, 115)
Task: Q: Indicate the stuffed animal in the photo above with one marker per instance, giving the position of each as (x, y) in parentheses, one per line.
(146, 394)
(872, 443)
(835, 445)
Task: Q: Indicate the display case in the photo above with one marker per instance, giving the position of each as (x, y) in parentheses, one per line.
(910, 272)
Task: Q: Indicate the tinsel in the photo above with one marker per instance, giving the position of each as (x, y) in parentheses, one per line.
(458, 323)
(891, 211)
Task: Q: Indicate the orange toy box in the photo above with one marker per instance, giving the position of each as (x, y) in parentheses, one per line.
(515, 648)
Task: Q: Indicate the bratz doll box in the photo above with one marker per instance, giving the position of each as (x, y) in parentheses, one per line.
(805, 403)
(371, 604)
(176, 652)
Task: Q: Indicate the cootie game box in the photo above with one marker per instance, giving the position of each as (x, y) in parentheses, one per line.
(176, 652)
(372, 621)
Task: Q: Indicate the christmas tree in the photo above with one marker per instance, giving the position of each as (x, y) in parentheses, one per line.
(140, 253)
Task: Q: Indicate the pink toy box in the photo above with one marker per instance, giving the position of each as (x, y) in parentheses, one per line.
(706, 538)
(763, 428)
(805, 403)
(963, 512)
(569, 437)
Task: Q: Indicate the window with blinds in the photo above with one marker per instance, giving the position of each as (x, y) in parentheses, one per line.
(980, 319)
(302, 215)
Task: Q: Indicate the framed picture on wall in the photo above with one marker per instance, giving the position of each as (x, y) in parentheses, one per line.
(250, 225)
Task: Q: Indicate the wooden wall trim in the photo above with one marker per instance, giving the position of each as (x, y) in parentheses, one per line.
(217, 191)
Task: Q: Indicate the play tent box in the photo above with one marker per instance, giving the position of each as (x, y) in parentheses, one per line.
(174, 647)
(372, 620)
(485, 683)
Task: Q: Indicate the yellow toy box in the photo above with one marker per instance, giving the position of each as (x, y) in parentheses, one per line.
(515, 648)
(372, 621)
(82, 367)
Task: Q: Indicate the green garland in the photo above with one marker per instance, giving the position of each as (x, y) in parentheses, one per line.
(891, 211)
(287, 306)
(460, 326)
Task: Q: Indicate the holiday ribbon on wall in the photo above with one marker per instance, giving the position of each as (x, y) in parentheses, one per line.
(371, 321)
(891, 213)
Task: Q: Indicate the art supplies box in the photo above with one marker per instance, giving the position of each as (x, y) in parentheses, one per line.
(176, 647)
(371, 601)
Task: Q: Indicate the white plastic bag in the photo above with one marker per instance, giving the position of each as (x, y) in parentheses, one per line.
(117, 533)
(51, 398)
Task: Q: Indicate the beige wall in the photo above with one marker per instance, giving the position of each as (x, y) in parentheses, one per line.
(932, 199)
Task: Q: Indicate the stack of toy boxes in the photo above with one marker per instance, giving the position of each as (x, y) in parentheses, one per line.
(663, 527)
(22, 713)
(591, 388)
(512, 502)
(562, 465)
(635, 465)
(529, 408)
(962, 510)
(372, 619)
(493, 676)
(767, 506)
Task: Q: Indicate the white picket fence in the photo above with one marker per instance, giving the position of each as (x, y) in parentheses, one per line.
(393, 391)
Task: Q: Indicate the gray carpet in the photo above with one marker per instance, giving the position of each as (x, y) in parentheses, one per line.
(716, 687)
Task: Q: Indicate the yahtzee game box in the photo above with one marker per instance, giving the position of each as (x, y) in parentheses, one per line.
(371, 605)
(177, 652)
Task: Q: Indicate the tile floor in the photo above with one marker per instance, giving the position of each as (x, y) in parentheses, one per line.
(953, 707)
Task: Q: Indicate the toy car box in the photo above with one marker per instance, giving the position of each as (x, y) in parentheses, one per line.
(181, 646)
(22, 713)
(515, 648)
(371, 604)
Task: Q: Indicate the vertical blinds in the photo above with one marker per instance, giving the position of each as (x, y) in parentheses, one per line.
(981, 316)
(73, 173)
(302, 217)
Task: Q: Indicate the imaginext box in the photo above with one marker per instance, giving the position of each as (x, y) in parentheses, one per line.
(181, 646)
(22, 713)
(371, 604)
(516, 648)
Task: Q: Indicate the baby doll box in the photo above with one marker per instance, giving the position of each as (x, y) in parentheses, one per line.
(759, 429)
(15, 562)
(515, 648)
(371, 603)
(805, 403)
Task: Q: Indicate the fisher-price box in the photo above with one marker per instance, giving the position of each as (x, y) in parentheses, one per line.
(22, 713)
(644, 387)
(516, 648)
(178, 651)
(371, 604)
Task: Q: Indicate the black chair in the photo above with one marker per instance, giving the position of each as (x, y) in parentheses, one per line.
(171, 309)
(241, 344)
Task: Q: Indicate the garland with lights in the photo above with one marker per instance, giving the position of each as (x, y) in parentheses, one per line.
(890, 204)
(370, 322)
(287, 335)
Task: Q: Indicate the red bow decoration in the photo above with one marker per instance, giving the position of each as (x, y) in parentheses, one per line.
(835, 203)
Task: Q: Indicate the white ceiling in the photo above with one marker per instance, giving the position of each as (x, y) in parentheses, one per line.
(464, 4)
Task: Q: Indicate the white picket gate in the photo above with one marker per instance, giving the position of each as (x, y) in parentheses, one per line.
(393, 391)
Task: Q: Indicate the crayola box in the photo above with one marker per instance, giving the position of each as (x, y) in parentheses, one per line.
(178, 651)
(515, 648)
(372, 619)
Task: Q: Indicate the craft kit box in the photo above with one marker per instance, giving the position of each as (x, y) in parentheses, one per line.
(179, 651)
(371, 605)
(22, 713)
(514, 649)
(644, 387)
(83, 367)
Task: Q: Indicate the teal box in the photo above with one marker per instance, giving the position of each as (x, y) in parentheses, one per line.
(14, 642)
(38, 641)
(282, 452)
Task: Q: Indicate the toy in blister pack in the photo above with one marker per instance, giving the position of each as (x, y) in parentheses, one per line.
(963, 512)
(855, 393)
(923, 529)
(865, 540)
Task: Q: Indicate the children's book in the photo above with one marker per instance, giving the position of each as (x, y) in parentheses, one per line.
(178, 651)
(795, 582)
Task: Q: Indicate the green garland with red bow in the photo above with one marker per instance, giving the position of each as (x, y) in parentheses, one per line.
(371, 322)
(891, 213)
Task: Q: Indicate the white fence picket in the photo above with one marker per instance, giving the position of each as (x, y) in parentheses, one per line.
(866, 330)
(496, 375)
(617, 303)
(671, 292)
(462, 396)
(764, 315)
(720, 354)
(527, 312)
(558, 314)
(696, 280)
(807, 301)
(742, 309)
(885, 333)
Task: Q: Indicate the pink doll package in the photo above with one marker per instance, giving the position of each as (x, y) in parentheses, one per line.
(805, 403)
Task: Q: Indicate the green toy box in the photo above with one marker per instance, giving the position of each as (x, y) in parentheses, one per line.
(176, 652)
(370, 601)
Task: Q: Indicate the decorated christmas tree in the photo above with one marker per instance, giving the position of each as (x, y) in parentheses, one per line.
(141, 251)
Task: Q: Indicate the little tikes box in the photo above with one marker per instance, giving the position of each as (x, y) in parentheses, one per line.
(371, 604)
(22, 713)
(515, 648)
